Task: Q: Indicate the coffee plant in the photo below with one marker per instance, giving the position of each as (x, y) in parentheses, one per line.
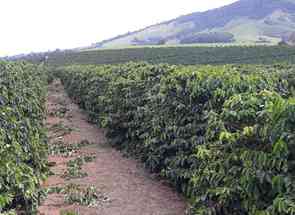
(23, 147)
(223, 135)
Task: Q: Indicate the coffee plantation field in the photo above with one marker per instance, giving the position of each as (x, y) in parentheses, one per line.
(222, 135)
(23, 147)
(172, 55)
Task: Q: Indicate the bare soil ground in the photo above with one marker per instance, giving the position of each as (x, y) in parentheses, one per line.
(127, 188)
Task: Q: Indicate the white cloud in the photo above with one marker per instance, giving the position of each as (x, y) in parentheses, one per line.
(40, 25)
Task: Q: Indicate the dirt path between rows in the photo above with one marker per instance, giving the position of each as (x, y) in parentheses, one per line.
(122, 186)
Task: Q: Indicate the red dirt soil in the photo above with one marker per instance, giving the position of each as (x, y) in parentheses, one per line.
(131, 190)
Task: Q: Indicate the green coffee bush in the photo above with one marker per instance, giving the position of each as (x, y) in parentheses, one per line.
(23, 147)
(223, 135)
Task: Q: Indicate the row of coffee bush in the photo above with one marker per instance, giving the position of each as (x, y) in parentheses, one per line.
(22, 136)
(223, 135)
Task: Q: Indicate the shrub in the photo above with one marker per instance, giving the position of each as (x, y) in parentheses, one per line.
(222, 135)
(23, 146)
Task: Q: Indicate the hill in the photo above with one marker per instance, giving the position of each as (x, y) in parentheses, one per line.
(245, 21)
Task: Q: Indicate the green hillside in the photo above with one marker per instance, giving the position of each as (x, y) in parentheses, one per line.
(247, 21)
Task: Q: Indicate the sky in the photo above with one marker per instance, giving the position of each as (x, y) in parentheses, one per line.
(42, 25)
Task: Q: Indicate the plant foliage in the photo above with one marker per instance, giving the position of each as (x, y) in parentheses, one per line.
(223, 135)
(23, 146)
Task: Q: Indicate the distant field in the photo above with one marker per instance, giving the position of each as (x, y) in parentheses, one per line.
(210, 45)
(176, 55)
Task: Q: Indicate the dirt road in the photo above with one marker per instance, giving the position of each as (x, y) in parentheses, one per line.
(99, 181)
